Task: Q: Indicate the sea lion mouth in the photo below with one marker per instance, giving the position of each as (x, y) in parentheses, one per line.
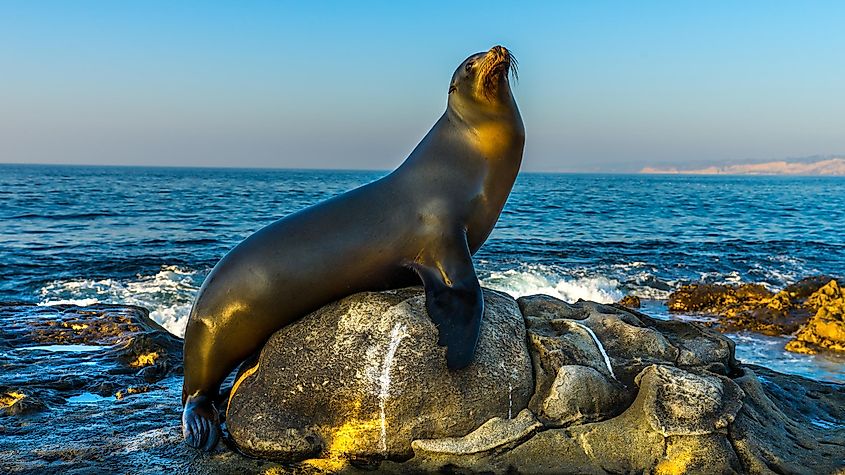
(497, 63)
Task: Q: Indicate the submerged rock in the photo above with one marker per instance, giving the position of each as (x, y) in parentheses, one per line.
(594, 389)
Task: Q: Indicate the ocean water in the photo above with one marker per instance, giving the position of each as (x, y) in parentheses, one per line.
(148, 236)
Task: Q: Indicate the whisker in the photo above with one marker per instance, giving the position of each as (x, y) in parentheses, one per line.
(514, 66)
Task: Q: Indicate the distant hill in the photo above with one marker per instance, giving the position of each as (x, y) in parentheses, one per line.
(829, 167)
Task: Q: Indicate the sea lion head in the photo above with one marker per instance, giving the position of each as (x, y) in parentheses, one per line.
(480, 84)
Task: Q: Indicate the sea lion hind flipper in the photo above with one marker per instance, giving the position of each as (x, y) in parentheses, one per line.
(200, 423)
(453, 300)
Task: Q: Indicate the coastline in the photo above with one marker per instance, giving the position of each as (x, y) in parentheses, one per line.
(100, 389)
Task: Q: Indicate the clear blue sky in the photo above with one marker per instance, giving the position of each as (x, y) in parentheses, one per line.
(603, 85)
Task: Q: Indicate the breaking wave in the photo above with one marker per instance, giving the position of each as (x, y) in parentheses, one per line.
(167, 294)
(537, 279)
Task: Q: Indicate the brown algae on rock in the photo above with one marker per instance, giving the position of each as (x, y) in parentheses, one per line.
(146, 359)
(826, 328)
(630, 301)
(813, 310)
(17, 403)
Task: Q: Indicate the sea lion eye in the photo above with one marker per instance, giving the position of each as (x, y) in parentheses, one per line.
(469, 66)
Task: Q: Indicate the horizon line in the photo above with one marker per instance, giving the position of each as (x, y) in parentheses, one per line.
(373, 170)
(235, 167)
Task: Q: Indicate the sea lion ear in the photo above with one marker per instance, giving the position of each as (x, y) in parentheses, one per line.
(452, 88)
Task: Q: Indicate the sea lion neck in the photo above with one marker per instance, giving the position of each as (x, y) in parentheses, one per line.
(486, 144)
(498, 138)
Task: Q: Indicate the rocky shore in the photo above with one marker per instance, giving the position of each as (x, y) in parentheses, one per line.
(361, 385)
(812, 310)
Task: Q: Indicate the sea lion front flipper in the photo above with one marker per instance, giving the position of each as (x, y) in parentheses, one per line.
(453, 298)
(200, 423)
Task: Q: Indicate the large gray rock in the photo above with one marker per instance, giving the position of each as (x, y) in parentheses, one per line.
(593, 389)
(677, 424)
(364, 377)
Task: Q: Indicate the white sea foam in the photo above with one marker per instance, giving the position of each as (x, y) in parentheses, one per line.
(630, 265)
(168, 294)
(530, 280)
(79, 302)
(64, 348)
(732, 277)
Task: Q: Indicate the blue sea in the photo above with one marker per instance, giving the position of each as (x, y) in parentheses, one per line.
(148, 236)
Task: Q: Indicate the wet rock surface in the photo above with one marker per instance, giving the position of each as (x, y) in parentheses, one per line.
(94, 390)
(602, 389)
(45, 351)
(813, 309)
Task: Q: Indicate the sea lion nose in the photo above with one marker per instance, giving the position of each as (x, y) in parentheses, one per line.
(499, 51)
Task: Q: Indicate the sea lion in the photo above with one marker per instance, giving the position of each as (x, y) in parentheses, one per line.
(421, 222)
